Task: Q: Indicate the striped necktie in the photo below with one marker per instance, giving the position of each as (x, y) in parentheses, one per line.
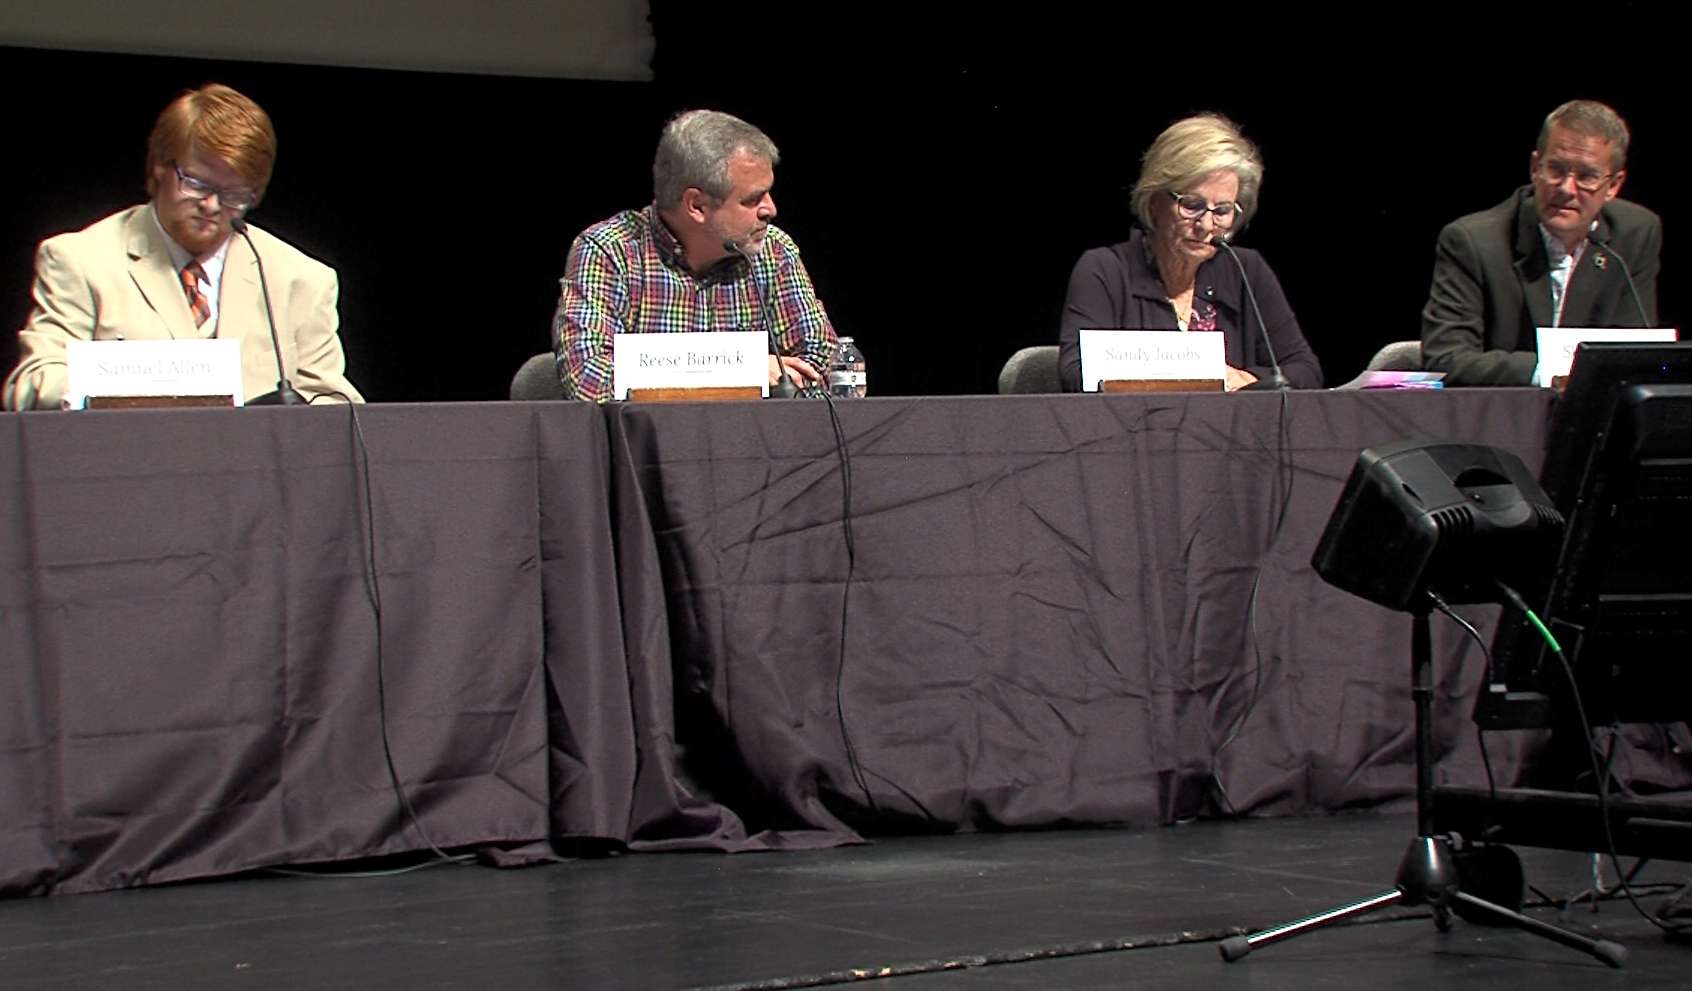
(198, 305)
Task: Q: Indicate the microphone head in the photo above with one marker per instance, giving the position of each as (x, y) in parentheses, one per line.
(744, 247)
(238, 224)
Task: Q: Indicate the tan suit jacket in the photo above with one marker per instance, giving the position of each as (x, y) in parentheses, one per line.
(114, 279)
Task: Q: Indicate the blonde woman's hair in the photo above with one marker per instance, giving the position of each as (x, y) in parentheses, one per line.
(1189, 150)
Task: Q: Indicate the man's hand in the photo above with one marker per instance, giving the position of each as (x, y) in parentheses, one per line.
(798, 369)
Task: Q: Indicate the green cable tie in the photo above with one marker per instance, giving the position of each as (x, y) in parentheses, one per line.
(1533, 618)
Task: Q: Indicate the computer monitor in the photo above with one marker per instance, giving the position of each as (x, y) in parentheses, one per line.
(1619, 468)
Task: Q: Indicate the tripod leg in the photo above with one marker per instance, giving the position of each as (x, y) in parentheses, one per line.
(1426, 874)
(1235, 947)
(1610, 952)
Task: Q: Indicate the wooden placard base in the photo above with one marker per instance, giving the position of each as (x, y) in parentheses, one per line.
(156, 402)
(710, 394)
(1161, 385)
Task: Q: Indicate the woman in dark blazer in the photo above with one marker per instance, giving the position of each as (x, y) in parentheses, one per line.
(1198, 182)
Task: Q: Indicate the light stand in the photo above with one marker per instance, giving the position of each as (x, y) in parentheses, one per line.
(1416, 518)
(1427, 874)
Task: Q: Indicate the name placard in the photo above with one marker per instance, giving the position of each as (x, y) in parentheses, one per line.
(1150, 355)
(690, 361)
(152, 368)
(1557, 345)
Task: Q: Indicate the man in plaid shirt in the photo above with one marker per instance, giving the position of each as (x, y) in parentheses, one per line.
(703, 256)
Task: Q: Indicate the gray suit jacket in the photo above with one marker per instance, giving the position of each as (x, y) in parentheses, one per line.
(1492, 288)
(115, 279)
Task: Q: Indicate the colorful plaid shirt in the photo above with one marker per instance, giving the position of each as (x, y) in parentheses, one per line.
(627, 275)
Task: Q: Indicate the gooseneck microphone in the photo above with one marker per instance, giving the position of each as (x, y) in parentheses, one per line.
(1627, 273)
(1275, 380)
(284, 394)
(784, 389)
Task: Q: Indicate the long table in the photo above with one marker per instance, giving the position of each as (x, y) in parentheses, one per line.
(673, 626)
(193, 655)
(1042, 608)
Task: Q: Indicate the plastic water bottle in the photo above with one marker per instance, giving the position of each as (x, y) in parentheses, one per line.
(846, 376)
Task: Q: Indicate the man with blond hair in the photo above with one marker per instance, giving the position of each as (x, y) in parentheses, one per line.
(1557, 253)
(172, 268)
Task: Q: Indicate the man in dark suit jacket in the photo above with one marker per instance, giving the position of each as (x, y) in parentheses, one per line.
(1549, 256)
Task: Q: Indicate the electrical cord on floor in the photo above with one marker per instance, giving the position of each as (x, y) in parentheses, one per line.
(1601, 893)
(1678, 905)
(335, 875)
(1599, 775)
(1026, 954)
(1599, 890)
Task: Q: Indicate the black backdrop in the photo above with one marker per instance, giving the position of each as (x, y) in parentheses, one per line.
(941, 178)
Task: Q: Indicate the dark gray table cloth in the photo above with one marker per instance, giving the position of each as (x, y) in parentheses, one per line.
(189, 682)
(1049, 616)
(631, 625)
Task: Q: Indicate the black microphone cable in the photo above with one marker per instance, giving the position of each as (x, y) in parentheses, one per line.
(1627, 273)
(859, 771)
(1489, 677)
(844, 456)
(1282, 488)
(285, 394)
(1600, 775)
(785, 388)
(1276, 380)
(374, 590)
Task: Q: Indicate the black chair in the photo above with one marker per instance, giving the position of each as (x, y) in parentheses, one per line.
(1399, 356)
(1031, 370)
(538, 379)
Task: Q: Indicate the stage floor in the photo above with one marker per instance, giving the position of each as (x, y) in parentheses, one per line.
(1059, 909)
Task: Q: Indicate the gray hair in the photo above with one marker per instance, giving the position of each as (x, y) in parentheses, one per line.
(695, 149)
(1186, 152)
(1593, 120)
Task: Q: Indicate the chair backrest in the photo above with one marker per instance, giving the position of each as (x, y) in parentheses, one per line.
(1399, 356)
(538, 379)
(1031, 370)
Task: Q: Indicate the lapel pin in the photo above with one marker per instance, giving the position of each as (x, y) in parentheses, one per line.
(1600, 260)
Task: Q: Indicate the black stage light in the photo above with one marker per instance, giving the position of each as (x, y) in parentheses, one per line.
(1452, 518)
(1420, 525)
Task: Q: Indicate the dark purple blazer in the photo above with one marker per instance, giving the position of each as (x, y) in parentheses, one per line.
(1118, 288)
